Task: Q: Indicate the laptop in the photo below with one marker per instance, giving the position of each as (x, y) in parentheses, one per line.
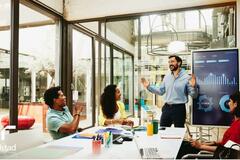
(148, 152)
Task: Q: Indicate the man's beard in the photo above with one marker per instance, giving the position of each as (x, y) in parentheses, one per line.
(173, 68)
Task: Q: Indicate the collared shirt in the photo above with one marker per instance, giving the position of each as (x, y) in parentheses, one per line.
(55, 119)
(175, 90)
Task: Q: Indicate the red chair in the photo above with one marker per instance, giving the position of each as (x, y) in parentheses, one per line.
(24, 122)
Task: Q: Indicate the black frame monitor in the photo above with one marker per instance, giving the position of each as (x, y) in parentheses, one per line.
(217, 77)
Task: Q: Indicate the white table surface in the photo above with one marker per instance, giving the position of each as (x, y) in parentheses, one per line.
(168, 141)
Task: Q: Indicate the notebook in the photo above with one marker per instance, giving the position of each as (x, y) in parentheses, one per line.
(84, 136)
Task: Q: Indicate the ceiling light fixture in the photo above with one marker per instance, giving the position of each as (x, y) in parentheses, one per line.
(176, 46)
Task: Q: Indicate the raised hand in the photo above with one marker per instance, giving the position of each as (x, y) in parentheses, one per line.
(192, 81)
(145, 82)
(78, 107)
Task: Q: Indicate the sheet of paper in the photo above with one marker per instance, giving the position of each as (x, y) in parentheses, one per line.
(230, 143)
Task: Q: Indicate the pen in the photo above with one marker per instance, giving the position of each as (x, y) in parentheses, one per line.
(170, 137)
(109, 139)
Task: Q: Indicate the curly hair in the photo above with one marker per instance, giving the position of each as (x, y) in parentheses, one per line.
(50, 94)
(108, 101)
(236, 98)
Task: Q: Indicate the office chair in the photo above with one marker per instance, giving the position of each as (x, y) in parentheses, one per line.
(200, 155)
(222, 152)
(186, 151)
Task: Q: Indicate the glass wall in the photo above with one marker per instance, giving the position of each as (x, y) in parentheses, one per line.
(166, 33)
(4, 57)
(180, 33)
(128, 83)
(98, 78)
(123, 78)
(118, 69)
(82, 75)
(119, 33)
(122, 34)
(106, 65)
(38, 62)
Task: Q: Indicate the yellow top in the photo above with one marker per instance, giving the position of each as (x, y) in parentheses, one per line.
(121, 108)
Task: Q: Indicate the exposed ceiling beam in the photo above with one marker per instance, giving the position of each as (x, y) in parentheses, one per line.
(30, 24)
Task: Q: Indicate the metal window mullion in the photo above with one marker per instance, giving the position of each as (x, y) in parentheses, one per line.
(93, 83)
(99, 81)
(139, 70)
(13, 97)
(111, 64)
(124, 74)
(133, 101)
(105, 54)
(66, 62)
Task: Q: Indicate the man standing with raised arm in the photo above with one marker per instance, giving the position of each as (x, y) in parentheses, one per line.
(176, 87)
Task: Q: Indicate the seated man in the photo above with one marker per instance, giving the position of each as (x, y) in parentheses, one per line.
(60, 122)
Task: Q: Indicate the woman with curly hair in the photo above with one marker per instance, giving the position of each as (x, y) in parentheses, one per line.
(112, 110)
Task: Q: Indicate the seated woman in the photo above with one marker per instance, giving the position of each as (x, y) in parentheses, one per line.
(232, 133)
(112, 110)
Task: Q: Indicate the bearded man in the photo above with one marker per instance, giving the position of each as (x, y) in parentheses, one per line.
(175, 88)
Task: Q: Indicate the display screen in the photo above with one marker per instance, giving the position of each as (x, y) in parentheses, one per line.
(216, 72)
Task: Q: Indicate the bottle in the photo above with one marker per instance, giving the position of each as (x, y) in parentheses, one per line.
(149, 129)
(149, 123)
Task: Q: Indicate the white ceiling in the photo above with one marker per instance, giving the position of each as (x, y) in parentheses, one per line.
(26, 14)
(87, 9)
(55, 4)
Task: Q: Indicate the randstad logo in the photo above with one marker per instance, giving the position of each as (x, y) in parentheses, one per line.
(8, 148)
(9, 127)
(2, 136)
(4, 147)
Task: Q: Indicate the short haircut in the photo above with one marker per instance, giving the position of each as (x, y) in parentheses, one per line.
(50, 94)
(177, 58)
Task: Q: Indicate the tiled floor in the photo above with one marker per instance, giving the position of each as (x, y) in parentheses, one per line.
(208, 133)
